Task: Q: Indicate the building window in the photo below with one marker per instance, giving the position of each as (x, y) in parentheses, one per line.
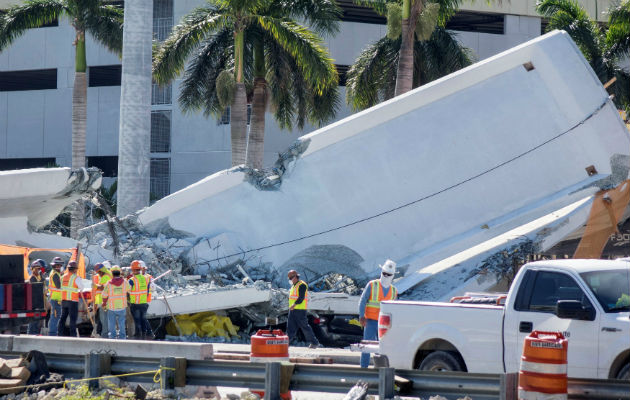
(342, 70)
(225, 117)
(160, 178)
(471, 21)
(9, 164)
(355, 13)
(161, 94)
(160, 131)
(40, 79)
(104, 75)
(162, 19)
(107, 164)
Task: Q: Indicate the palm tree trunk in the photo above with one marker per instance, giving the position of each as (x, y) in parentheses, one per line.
(135, 108)
(256, 145)
(79, 117)
(238, 112)
(238, 125)
(256, 142)
(404, 75)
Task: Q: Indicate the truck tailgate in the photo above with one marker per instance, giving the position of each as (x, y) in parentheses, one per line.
(475, 331)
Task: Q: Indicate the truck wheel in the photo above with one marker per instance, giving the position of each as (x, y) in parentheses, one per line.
(624, 373)
(441, 361)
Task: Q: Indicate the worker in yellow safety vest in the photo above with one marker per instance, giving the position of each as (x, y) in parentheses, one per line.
(375, 291)
(38, 267)
(138, 304)
(54, 295)
(298, 303)
(149, 279)
(114, 295)
(71, 286)
(99, 279)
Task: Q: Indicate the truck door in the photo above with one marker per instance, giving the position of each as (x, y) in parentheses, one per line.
(536, 311)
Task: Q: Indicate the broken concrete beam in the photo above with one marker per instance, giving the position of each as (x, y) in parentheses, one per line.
(122, 348)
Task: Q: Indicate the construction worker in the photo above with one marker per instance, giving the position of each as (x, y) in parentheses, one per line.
(71, 286)
(150, 280)
(54, 294)
(138, 295)
(99, 279)
(298, 303)
(375, 291)
(115, 301)
(38, 267)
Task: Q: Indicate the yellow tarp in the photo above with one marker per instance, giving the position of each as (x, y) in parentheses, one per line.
(204, 324)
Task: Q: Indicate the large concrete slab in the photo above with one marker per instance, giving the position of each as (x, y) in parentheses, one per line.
(423, 176)
(121, 348)
(209, 301)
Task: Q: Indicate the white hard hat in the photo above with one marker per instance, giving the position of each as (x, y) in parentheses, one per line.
(388, 266)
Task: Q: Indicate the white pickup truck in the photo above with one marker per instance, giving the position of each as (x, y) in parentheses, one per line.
(587, 300)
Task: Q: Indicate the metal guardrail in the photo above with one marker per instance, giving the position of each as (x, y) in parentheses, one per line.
(331, 378)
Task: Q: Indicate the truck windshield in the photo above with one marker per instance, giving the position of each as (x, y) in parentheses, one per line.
(612, 288)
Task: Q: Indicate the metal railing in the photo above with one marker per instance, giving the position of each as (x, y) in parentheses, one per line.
(321, 378)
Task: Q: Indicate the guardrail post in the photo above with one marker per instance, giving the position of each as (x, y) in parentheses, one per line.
(509, 386)
(96, 365)
(386, 383)
(272, 380)
(167, 375)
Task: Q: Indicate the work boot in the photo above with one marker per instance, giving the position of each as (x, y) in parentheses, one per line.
(315, 346)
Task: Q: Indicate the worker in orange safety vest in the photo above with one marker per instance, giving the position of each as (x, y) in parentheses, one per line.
(71, 286)
(115, 293)
(375, 291)
(101, 276)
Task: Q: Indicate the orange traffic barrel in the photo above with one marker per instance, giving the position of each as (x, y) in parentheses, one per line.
(269, 346)
(543, 372)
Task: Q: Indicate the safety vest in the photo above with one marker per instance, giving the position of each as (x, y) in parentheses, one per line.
(373, 306)
(69, 288)
(53, 290)
(138, 294)
(116, 296)
(295, 293)
(149, 278)
(98, 293)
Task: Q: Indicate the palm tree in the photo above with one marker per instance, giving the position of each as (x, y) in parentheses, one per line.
(601, 48)
(408, 20)
(618, 34)
(135, 108)
(103, 22)
(373, 77)
(254, 46)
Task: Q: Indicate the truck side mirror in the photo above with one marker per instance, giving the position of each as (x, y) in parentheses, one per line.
(573, 309)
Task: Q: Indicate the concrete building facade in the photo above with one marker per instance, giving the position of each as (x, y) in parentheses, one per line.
(37, 73)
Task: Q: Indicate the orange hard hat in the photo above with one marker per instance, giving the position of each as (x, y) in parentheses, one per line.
(136, 265)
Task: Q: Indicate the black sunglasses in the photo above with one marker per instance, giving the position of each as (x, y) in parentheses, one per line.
(386, 274)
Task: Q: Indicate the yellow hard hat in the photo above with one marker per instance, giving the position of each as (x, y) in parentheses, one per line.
(115, 268)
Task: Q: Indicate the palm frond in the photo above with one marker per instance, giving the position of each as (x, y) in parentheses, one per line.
(323, 16)
(279, 67)
(169, 61)
(198, 88)
(380, 6)
(367, 80)
(306, 49)
(105, 23)
(31, 14)
(618, 34)
(439, 56)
